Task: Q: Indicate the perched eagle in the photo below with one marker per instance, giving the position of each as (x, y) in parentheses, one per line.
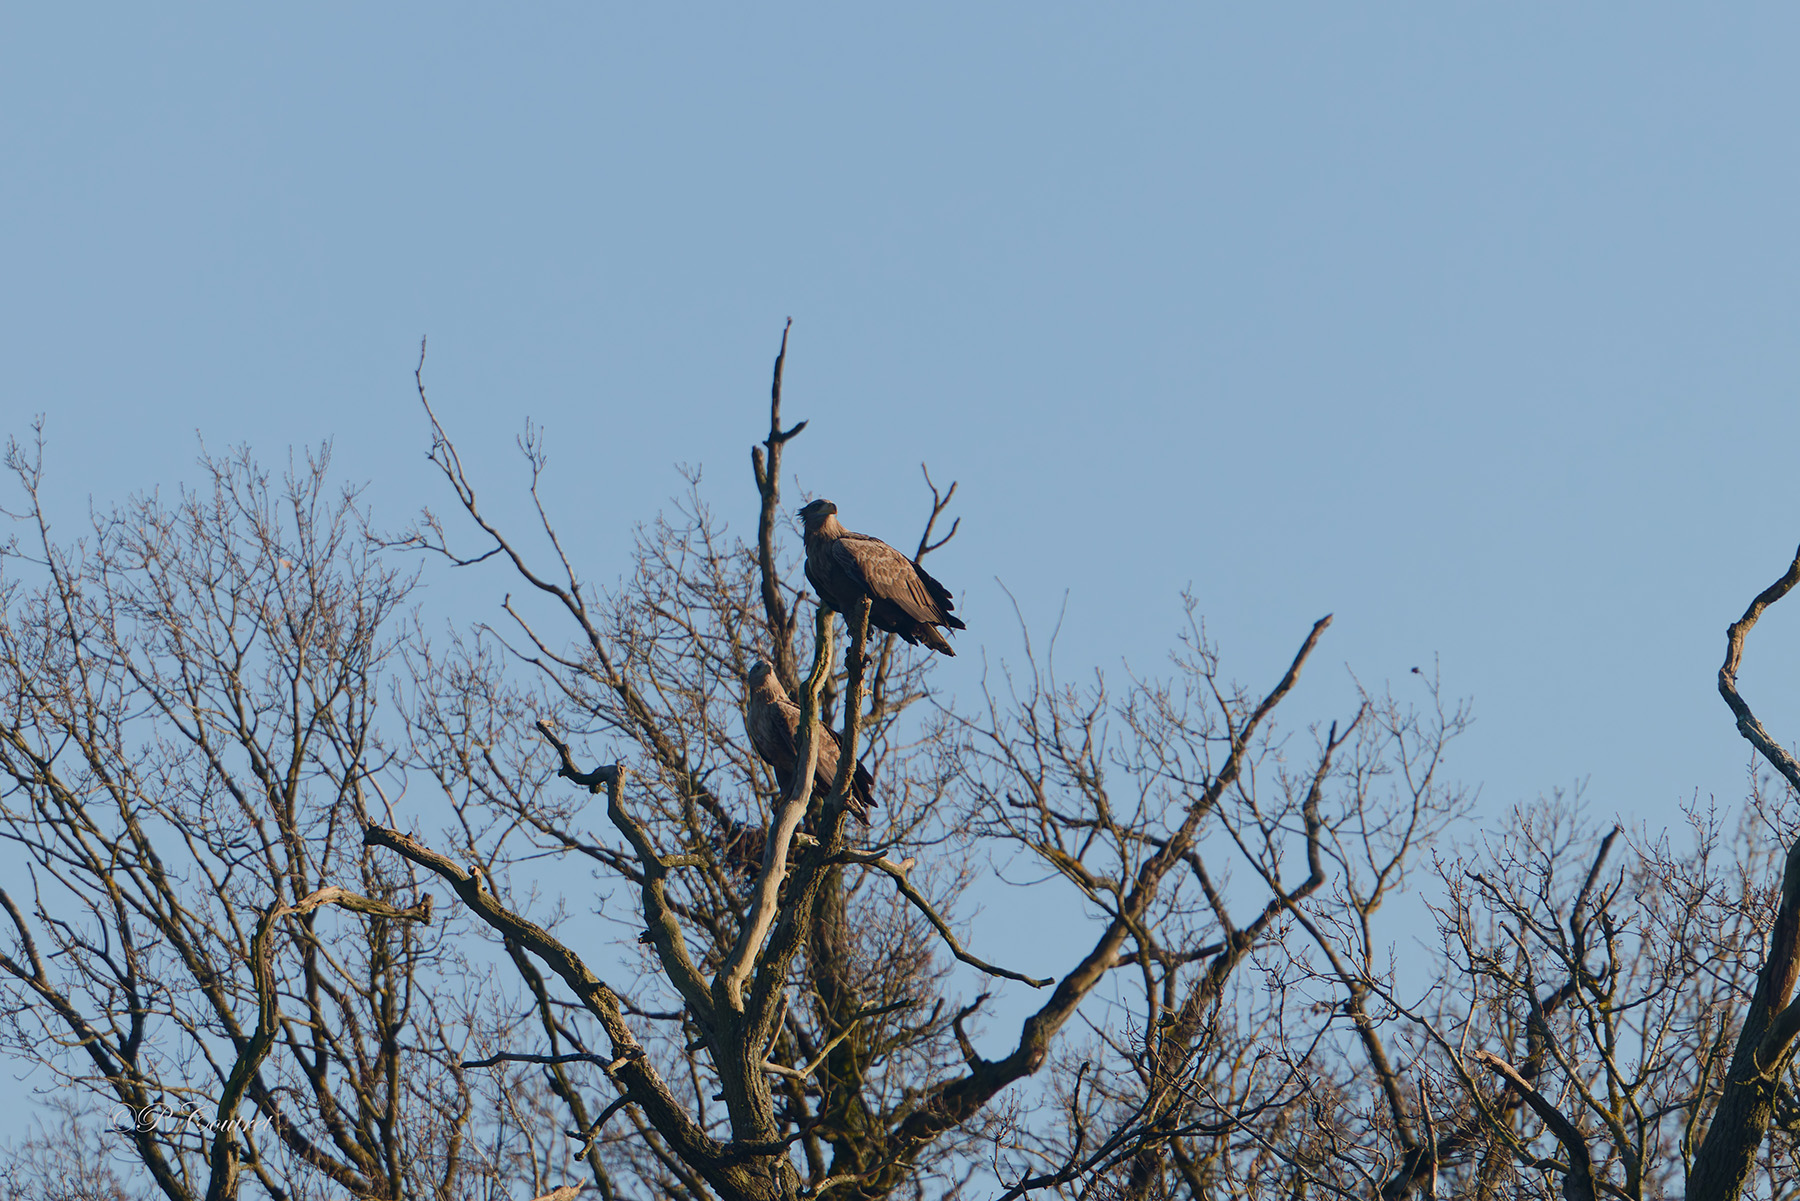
(773, 723)
(844, 567)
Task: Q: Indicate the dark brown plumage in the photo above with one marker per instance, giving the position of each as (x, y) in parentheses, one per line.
(844, 567)
(773, 723)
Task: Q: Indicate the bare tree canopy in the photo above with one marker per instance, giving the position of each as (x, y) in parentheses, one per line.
(308, 901)
(199, 941)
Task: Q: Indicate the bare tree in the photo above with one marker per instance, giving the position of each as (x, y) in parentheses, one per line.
(1601, 997)
(1573, 1033)
(238, 772)
(198, 943)
(804, 984)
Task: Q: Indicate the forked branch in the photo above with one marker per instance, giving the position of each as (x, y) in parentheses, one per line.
(226, 1156)
(635, 1069)
(1770, 1024)
(659, 916)
(897, 873)
(1747, 724)
(765, 464)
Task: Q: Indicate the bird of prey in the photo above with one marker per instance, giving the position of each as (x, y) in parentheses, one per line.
(844, 567)
(773, 723)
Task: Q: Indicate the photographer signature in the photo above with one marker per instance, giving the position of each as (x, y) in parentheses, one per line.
(160, 1118)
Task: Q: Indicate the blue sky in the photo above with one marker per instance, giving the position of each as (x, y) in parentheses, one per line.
(1476, 327)
(1473, 325)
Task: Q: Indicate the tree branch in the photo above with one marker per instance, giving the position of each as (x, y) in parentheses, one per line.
(768, 486)
(1578, 1175)
(659, 918)
(666, 1114)
(1747, 1105)
(226, 1156)
(897, 873)
(729, 986)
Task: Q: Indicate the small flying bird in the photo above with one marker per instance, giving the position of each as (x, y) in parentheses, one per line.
(773, 723)
(844, 567)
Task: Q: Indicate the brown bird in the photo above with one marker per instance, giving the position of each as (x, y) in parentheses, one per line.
(844, 567)
(773, 723)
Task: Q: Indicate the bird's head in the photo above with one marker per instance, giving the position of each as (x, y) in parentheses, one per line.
(762, 680)
(814, 515)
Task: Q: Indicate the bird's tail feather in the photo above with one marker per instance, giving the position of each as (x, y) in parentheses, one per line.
(930, 636)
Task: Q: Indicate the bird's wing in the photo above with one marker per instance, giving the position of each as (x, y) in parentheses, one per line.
(940, 595)
(829, 746)
(772, 732)
(819, 572)
(862, 784)
(789, 727)
(887, 575)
